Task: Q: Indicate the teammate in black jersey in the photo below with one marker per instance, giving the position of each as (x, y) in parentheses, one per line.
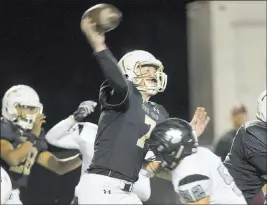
(23, 139)
(247, 160)
(127, 118)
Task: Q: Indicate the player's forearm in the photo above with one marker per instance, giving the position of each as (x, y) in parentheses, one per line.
(205, 201)
(50, 162)
(164, 175)
(152, 168)
(15, 156)
(68, 166)
(111, 71)
(265, 189)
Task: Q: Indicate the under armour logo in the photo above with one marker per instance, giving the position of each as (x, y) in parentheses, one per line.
(107, 192)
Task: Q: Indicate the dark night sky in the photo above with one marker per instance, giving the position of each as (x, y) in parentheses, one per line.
(41, 45)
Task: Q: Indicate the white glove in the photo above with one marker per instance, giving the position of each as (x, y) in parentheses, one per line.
(85, 109)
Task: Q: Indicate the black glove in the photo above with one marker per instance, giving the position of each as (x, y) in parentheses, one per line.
(85, 109)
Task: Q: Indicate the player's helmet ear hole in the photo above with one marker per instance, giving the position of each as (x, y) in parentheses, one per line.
(126, 75)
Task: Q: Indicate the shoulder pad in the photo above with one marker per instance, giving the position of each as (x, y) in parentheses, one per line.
(8, 130)
(256, 128)
(161, 109)
(131, 87)
(256, 123)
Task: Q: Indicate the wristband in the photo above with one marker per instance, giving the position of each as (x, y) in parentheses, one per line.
(73, 118)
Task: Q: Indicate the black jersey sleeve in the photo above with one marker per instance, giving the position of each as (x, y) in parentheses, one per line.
(7, 131)
(256, 146)
(112, 73)
(109, 98)
(41, 143)
(163, 111)
(260, 163)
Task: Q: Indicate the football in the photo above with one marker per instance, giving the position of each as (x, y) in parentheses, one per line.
(106, 17)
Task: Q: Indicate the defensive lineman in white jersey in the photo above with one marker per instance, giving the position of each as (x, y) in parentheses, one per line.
(202, 176)
(72, 134)
(198, 175)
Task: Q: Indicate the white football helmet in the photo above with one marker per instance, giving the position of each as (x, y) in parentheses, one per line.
(131, 64)
(24, 97)
(261, 107)
(6, 186)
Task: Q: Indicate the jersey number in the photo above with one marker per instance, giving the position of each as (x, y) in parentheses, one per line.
(26, 165)
(228, 179)
(141, 141)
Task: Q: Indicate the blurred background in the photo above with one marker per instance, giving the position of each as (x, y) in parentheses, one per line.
(214, 53)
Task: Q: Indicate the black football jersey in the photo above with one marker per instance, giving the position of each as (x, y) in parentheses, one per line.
(122, 131)
(247, 160)
(12, 133)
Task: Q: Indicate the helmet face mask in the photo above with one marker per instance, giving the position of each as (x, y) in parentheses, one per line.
(145, 71)
(26, 115)
(21, 105)
(150, 78)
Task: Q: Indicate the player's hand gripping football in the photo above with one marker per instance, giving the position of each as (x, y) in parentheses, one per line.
(96, 39)
(200, 121)
(37, 125)
(85, 109)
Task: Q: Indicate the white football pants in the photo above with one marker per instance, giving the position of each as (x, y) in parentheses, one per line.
(99, 189)
(14, 199)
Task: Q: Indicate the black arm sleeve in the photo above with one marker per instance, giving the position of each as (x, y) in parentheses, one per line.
(256, 152)
(260, 163)
(41, 143)
(111, 72)
(7, 132)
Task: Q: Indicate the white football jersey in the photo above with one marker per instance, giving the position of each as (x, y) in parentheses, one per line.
(81, 136)
(203, 174)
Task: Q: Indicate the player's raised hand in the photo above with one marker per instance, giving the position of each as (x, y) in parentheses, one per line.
(85, 109)
(96, 39)
(37, 125)
(200, 121)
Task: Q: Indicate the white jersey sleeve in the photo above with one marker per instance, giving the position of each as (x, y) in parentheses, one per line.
(191, 180)
(142, 187)
(64, 134)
